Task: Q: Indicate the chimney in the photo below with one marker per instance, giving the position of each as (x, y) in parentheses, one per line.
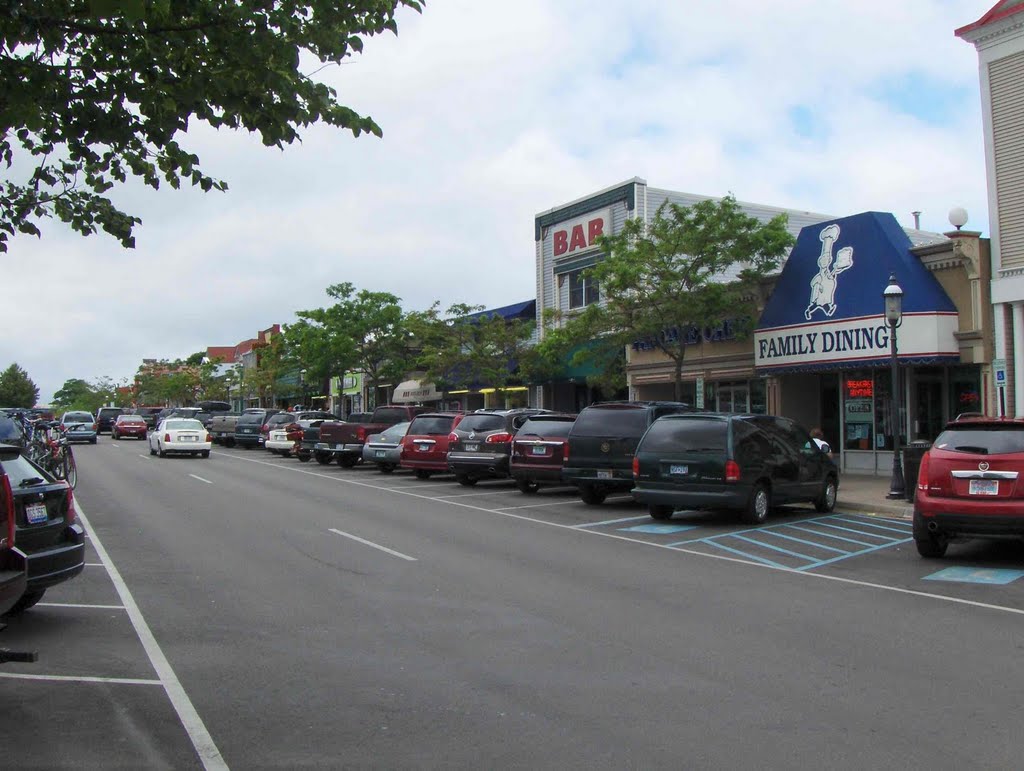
(917, 220)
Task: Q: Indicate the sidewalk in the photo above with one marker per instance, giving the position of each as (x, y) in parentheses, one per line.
(864, 493)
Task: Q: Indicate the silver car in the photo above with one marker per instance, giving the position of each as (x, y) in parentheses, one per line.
(384, 449)
(79, 426)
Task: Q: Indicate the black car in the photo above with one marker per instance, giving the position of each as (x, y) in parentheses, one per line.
(480, 445)
(601, 445)
(148, 414)
(247, 429)
(105, 418)
(46, 527)
(12, 431)
(747, 463)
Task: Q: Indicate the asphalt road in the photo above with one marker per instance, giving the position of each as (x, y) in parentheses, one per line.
(250, 611)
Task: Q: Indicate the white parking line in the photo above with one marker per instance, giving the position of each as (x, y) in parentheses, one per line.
(73, 679)
(76, 605)
(611, 521)
(654, 545)
(203, 743)
(201, 479)
(144, 457)
(470, 495)
(375, 545)
(541, 506)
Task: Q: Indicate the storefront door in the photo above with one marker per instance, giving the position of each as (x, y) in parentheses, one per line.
(733, 397)
(928, 417)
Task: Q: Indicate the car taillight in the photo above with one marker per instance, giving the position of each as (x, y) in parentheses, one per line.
(360, 434)
(565, 452)
(732, 471)
(498, 438)
(95, 426)
(8, 507)
(70, 515)
(167, 437)
(209, 438)
(922, 474)
(264, 429)
(636, 467)
(453, 437)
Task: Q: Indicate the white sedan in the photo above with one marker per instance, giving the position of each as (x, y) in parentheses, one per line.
(182, 435)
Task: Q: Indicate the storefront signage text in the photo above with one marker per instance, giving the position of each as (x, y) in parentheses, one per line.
(580, 234)
(691, 335)
(859, 389)
(869, 339)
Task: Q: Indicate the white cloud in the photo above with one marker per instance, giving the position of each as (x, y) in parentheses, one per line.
(493, 112)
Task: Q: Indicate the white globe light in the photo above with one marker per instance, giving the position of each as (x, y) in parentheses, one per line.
(958, 217)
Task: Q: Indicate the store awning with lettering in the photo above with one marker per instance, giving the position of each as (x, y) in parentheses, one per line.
(413, 391)
(826, 311)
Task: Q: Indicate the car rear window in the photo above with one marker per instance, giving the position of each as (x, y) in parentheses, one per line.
(611, 421)
(384, 416)
(431, 425)
(482, 423)
(687, 436)
(183, 424)
(19, 470)
(250, 417)
(982, 440)
(553, 428)
(130, 419)
(396, 432)
(10, 430)
(78, 417)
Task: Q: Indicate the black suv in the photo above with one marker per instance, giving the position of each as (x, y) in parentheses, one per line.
(46, 527)
(601, 445)
(148, 414)
(247, 429)
(481, 444)
(105, 418)
(747, 463)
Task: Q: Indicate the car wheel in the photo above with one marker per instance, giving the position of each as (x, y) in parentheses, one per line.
(385, 468)
(592, 495)
(151, 450)
(422, 474)
(526, 487)
(322, 458)
(161, 452)
(346, 461)
(660, 512)
(205, 453)
(758, 506)
(466, 480)
(827, 500)
(229, 442)
(303, 457)
(93, 440)
(26, 601)
(286, 453)
(931, 546)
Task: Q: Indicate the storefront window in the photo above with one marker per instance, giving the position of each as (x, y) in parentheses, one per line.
(884, 423)
(759, 397)
(964, 390)
(859, 401)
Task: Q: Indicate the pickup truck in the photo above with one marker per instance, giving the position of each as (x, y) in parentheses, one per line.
(222, 428)
(344, 441)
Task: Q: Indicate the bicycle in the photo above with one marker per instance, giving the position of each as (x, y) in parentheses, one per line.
(52, 453)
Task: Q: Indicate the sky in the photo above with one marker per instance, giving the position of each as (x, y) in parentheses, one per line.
(493, 112)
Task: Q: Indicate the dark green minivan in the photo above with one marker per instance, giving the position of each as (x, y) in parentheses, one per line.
(747, 463)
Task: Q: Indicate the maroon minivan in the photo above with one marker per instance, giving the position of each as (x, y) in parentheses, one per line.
(425, 445)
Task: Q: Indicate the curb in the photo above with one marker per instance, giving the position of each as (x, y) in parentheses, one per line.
(901, 511)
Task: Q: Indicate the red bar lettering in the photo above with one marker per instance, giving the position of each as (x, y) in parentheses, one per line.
(595, 228)
(561, 242)
(577, 241)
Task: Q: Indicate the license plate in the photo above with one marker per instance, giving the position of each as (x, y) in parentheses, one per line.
(538, 451)
(472, 447)
(984, 487)
(35, 513)
(423, 447)
(188, 438)
(380, 453)
(604, 474)
(321, 446)
(678, 469)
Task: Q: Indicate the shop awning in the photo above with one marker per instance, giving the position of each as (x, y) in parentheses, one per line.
(412, 391)
(826, 311)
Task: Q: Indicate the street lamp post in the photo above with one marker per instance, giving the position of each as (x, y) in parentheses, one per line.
(893, 296)
(302, 386)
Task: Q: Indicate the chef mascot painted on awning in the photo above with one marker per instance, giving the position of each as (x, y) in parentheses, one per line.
(823, 285)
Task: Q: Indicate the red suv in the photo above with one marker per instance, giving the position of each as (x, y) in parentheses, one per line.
(970, 484)
(539, 451)
(425, 446)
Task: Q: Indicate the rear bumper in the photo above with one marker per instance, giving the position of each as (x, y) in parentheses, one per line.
(548, 474)
(605, 478)
(276, 444)
(424, 464)
(58, 563)
(953, 516)
(479, 463)
(726, 498)
(250, 440)
(351, 450)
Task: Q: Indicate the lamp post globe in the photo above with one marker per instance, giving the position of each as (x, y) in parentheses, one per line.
(893, 299)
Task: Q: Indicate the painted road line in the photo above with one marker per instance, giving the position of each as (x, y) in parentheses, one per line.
(746, 560)
(481, 494)
(73, 679)
(201, 479)
(201, 739)
(860, 553)
(144, 457)
(375, 545)
(776, 534)
(538, 506)
(609, 522)
(76, 605)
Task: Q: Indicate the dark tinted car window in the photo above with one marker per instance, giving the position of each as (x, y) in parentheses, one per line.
(388, 415)
(482, 423)
(251, 418)
(10, 430)
(553, 428)
(19, 470)
(78, 417)
(281, 418)
(614, 421)
(687, 436)
(984, 440)
(431, 425)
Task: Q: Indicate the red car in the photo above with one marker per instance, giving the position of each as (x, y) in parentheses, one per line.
(539, 449)
(425, 446)
(13, 570)
(129, 425)
(971, 484)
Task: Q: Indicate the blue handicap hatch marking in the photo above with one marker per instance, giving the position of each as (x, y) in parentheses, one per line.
(969, 575)
(658, 529)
